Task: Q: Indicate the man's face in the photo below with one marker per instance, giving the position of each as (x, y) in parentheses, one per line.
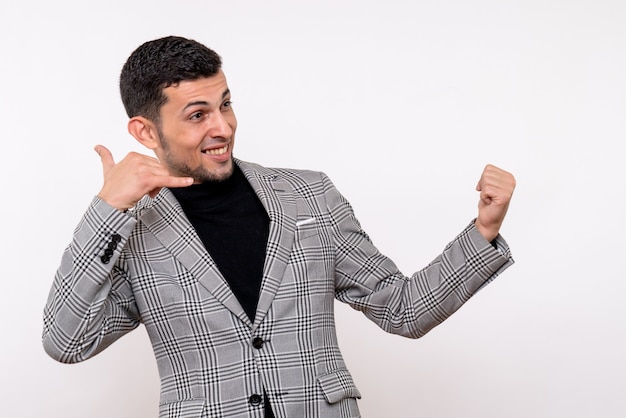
(197, 129)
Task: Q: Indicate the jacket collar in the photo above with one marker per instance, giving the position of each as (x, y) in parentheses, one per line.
(164, 217)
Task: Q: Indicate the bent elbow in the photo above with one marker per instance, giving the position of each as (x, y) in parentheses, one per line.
(60, 353)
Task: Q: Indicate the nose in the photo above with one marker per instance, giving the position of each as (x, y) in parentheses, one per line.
(220, 126)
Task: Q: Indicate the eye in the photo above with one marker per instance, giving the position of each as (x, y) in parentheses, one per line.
(227, 104)
(196, 115)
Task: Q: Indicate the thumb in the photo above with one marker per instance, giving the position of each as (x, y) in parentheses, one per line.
(105, 156)
(479, 185)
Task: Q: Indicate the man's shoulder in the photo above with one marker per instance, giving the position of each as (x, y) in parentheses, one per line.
(291, 175)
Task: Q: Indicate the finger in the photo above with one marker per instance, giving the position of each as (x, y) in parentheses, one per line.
(156, 179)
(170, 182)
(485, 197)
(166, 178)
(175, 182)
(151, 173)
(492, 175)
(483, 177)
(105, 157)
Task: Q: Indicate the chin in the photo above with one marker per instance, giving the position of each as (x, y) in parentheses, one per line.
(216, 175)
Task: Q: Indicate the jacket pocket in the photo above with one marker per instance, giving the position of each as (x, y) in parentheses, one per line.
(338, 385)
(189, 408)
(309, 228)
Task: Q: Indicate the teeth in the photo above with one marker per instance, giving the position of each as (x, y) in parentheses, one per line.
(217, 151)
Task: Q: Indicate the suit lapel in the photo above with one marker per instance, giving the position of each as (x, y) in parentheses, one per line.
(277, 198)
(167, 221)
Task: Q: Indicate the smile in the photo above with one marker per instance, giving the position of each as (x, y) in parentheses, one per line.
(217, 151)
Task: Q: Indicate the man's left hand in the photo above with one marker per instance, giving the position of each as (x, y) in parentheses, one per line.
(496, 189)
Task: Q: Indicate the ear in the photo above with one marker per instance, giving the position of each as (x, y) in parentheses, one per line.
(144, 131)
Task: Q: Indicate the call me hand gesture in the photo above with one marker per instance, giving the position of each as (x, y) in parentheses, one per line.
(137, 175)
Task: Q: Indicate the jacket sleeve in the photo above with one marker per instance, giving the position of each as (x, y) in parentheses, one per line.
(410, 306)
(90, 304)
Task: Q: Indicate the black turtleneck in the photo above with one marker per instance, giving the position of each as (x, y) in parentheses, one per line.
(234, 228)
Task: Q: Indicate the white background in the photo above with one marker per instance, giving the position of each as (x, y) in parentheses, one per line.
(402, 103)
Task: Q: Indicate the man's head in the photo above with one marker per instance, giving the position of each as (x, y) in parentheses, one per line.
(162, 63)
(178, 101)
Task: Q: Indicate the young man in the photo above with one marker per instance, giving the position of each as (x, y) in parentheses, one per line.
(233, 268)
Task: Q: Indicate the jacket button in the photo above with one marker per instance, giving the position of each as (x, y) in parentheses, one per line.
(255, 400)
(258, 343)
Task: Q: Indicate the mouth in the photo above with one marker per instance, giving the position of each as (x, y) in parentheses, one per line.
(216, 151)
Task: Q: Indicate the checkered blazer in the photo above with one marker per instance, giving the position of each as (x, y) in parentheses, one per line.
(148, 266)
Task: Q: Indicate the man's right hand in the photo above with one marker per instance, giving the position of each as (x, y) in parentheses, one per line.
(137, 175)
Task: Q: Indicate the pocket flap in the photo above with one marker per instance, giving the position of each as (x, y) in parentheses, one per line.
(338, 385)
(189, 408)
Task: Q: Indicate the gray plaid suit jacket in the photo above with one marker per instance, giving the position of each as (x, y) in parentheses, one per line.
(148, 266)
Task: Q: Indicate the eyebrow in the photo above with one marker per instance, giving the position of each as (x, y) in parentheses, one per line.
(205, 103)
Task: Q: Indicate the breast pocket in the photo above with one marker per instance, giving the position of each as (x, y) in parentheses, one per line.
(312, 250)
(306, 228)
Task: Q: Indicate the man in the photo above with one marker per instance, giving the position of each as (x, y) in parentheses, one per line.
(233, 268)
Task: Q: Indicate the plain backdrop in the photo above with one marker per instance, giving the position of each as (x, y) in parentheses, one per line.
(401, 103)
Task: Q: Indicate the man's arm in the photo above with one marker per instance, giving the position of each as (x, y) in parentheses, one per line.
(91, 303)
(412, 306)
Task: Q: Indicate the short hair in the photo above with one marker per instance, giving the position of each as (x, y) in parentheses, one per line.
(161, 63)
